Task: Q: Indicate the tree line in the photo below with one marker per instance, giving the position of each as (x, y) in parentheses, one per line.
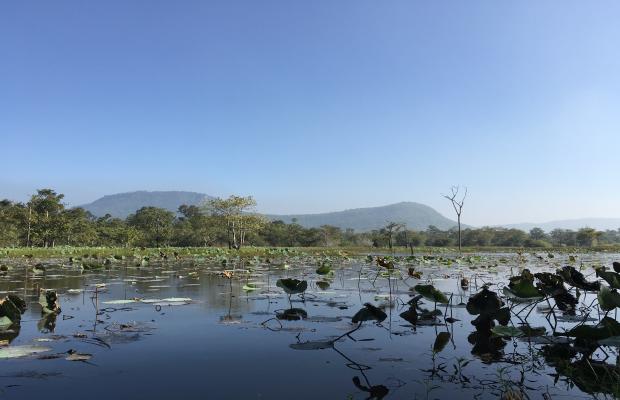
(45, 221)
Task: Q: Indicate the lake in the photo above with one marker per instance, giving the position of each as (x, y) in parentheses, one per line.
(182, 328)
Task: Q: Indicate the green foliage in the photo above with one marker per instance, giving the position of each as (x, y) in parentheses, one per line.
(369, 313)
(608, 299)
(45, 222)
(292, 286)
(430, 293)
(155, 225)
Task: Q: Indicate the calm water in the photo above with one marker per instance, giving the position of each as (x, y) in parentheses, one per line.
(219, 347)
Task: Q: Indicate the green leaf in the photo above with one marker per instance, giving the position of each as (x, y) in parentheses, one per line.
(292, 286)
(507, 331)
(612, 278)
(430, 293)
(323, 269)
(250, 287)
(5, 322)
(608, 299)
(607, 328)
(369, 313)
(522, 287)
(610, 341)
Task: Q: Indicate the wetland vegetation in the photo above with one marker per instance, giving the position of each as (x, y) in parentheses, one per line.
(44, 221)
(290, 323)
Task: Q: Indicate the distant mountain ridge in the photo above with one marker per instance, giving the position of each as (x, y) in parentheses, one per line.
(600, 224)
(120, 205)
(415, 215)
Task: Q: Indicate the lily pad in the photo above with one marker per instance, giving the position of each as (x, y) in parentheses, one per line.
(21, 351)
(608, 299)
(575, 278)
(612, 278)
(369, 313)
(507, 331)
(5, 322)
(323, 285)
(607, 328)
(522, 287)
(324, 269)
(292, 286)
(120, 301)
(430, 293)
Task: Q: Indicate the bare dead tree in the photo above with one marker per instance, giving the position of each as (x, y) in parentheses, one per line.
(457, 205)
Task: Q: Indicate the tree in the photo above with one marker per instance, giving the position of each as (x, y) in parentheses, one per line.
(390, 230)
(12, 220)
(236, 215)
(587, 237)
(457, 205)
(537, 234)
(195, 228)
(436, 237)
(332, 235)
(79, 227)
(45, 222)
(563, 237)
(154, 223)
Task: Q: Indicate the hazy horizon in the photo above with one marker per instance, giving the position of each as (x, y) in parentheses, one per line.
(317, 107)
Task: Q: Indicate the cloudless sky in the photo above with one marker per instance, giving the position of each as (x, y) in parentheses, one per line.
(316, 106)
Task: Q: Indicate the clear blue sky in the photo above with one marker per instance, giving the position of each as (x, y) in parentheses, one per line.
(313, 106)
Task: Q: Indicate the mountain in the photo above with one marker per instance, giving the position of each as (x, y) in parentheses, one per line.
(122, 204)
(600, 224)
(417, 216)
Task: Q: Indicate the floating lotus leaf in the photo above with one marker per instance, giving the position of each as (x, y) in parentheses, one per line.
(612, 278)
(549, 283)
(49, 301)
(21, 351)
(608, 299)
(292, 314)
(522, 287)
(532, 331)
(607, 328)
(411, 315)
(441, 341)
(250, 287)
(610, 341)
(292, 286)
(575, 278)
(5, 322)
(553, 285)
(385, 263)
(12, 307)
(324, 269)
(484, 302)
(430, 293)
(507, 331)
(369, 313)
(323, 285)
(616, 266)
(488, 306)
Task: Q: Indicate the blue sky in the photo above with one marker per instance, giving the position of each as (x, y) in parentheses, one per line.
(315, 106)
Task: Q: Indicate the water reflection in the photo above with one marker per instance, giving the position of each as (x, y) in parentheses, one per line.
(369, 319)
